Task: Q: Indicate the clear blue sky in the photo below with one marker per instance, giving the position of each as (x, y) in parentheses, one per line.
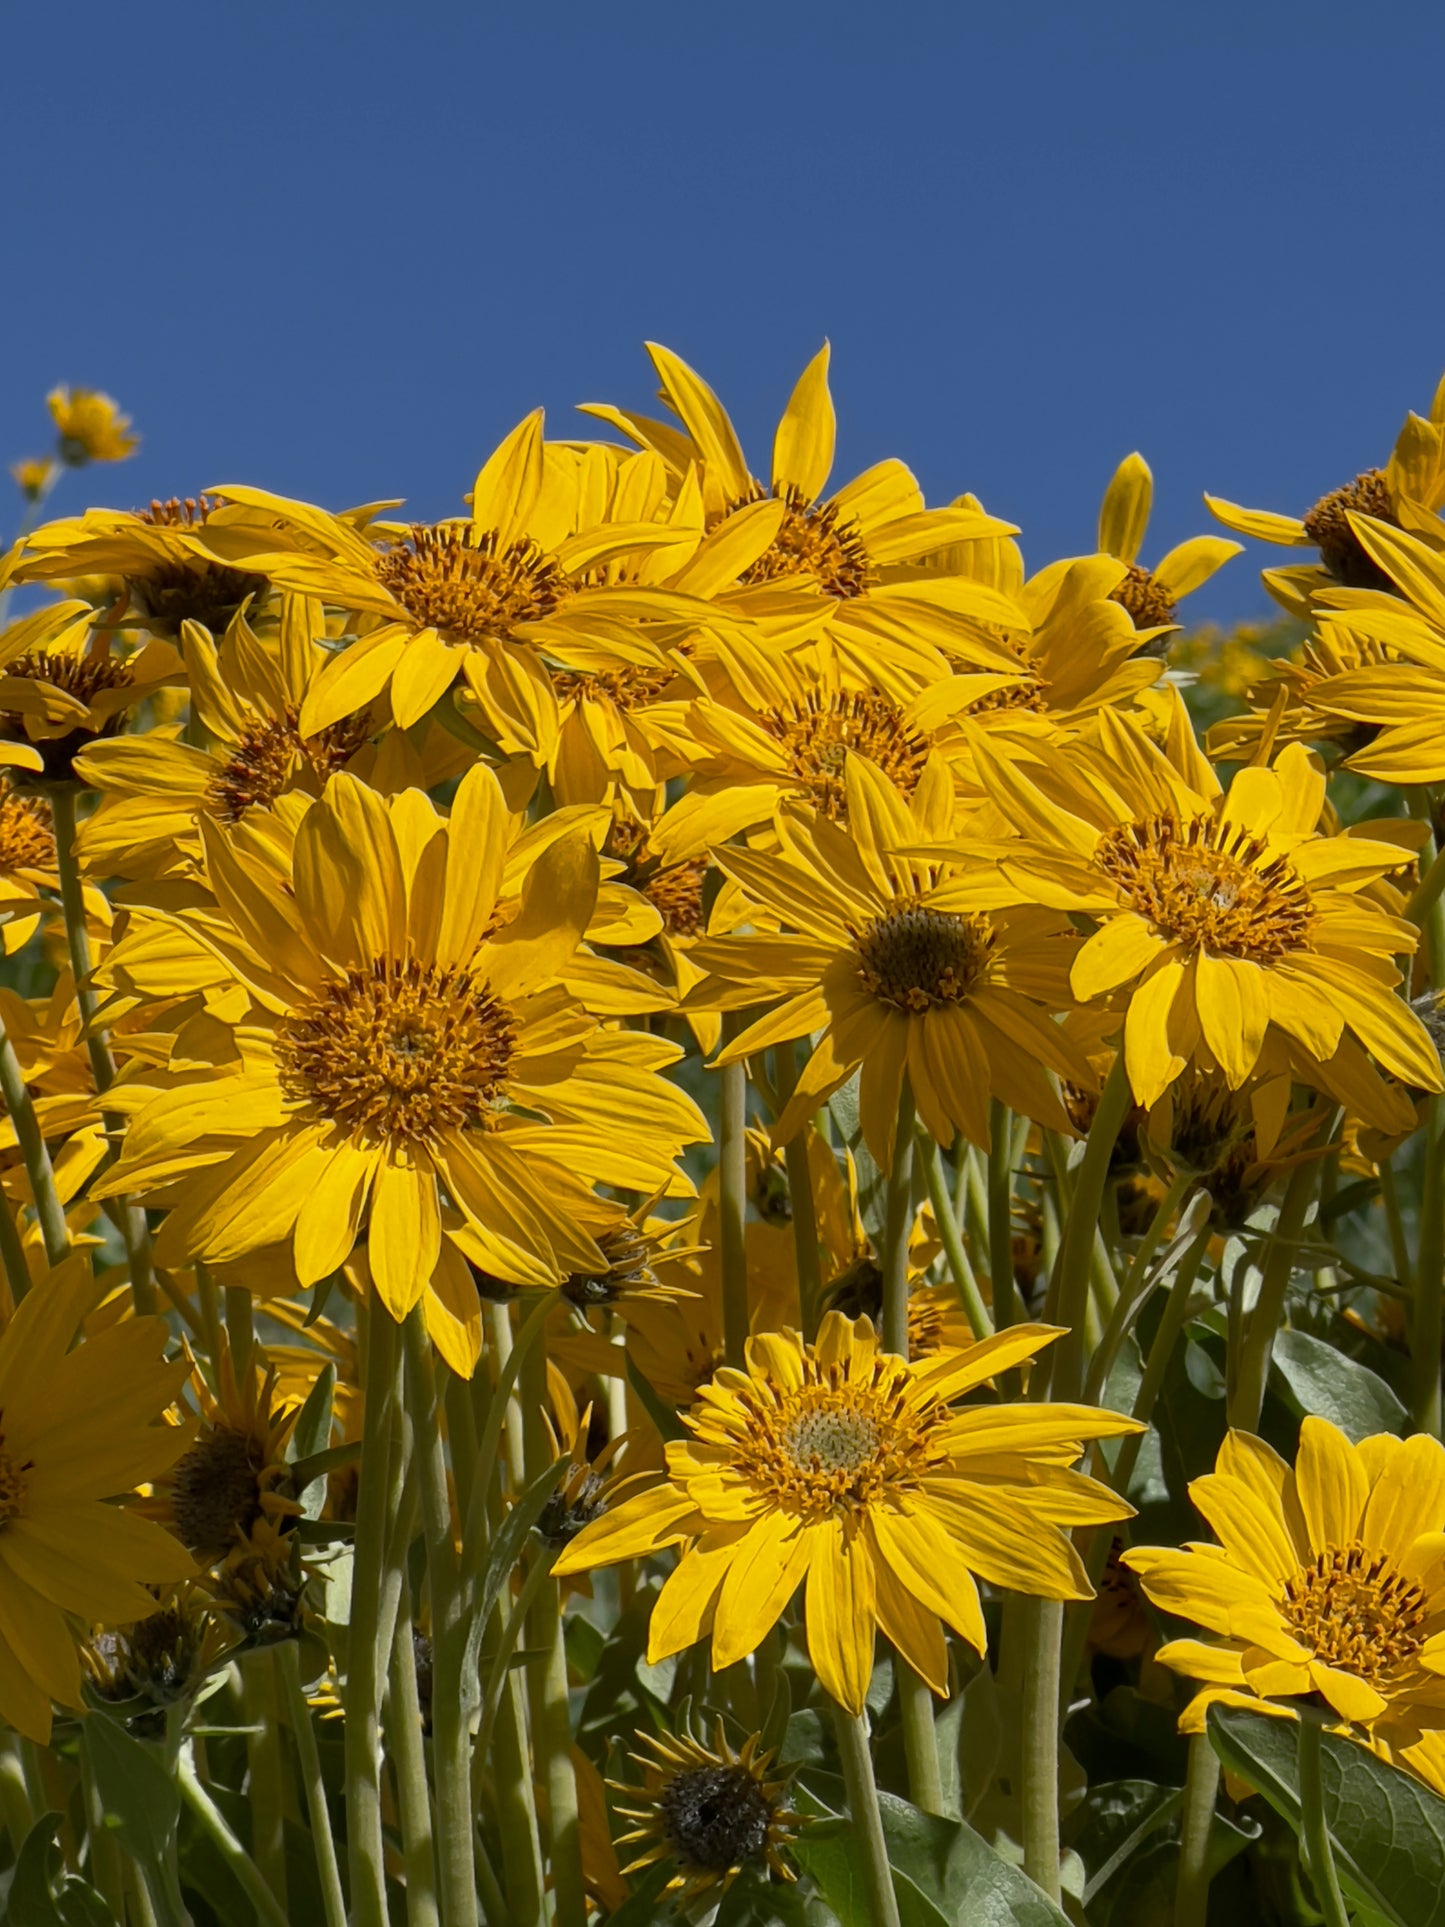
(338, 249)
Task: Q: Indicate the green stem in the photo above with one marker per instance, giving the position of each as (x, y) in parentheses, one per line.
(1076, 1247)
(16, 1812)
(131, 1218)
(800, 1197)
(1314, 1834)
(1006, 1307)
(1201, 1785)
(897, 1223)
(1399, 1244)
(1426, 1324)
(12, 1253)
(511, 1354)
(213, 1825)
(298, 1713)
(48, 1209)
(1138, 1283)
(240, 1329)
(499, 1667)
(857, 1763)
(1044, 1622)
(365, 1848)
(1256, 1347)
(1427, 891)
(732, 1204)
(516, 1809)
(960, 1270)
(266, 1771)
(451, 1741)
(408, 1759)
(106, 1868)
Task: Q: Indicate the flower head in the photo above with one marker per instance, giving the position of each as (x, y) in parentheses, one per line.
(90, 426)
(709, 1810)
(843, 1467)
(1329, 1578)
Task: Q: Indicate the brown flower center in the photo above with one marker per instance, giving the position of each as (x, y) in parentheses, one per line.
(401, 1051)
(264, 761)
(1354, 1611)
(80, 676)
(816, 540)
(626, 689)
(914, 958)
(27, 840)
(1149, 603)
(189, 587)
(1208, 884)
(14, 1484)
(1328, 526)
(817, 734)
(714, 1818)
(216, 1490)
(468, 584)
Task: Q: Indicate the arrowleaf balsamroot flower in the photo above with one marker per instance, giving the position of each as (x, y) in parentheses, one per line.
(1219, 914)
(77, 1429)
(1329, 1579)
(399, 1046)
(843, 1467)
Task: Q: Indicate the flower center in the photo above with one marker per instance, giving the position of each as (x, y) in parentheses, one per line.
(189, 587)
(817, 734)
(14, 1484)
(216, 1491)
(715, 1817)
(814, 539)
(262, 762)
(834, 1445)
(80, 676)
(628, 1252)
(1328, 526)
(27, 841)
(468, 584)
(1149, 603)
(626, 689)
(402, 1050)
(1206, 883)
(914, 958)
(1356, 1612)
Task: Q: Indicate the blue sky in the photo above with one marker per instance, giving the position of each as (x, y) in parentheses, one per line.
(337, 250)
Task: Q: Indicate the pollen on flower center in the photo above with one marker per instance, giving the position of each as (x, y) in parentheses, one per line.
(814, 539)
(1149, 603)
(817, 734)
(1209, 884)
(189, 586)
(80, 676)
(1356, 1612)
(914, 958)
(834, 1445)
(1328, 526)
(469, 584)
(257, 770)
(626, 689)
(402, 1050)
(27, 840)
(838, 1441)
(217, 1489)
(13, 1486)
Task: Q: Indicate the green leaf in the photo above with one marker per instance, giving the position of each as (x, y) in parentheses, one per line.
(832, 1852)
(872, 1183)
(31, 1903)
(645, 1905)
(1387, 1829)
(1114, 1821)
(1315, 1378)
(312, 1431)
(959, 1871)
(141, 1801)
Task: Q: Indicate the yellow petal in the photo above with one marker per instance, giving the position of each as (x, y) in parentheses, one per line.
(841, 1615)
(507, 487)
(1124, 513)
(807, 434)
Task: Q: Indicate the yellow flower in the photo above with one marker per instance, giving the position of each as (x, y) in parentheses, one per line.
(247, 695)
(1403, 494)
(857, 549)
(850, 1469)
(884, 960)
(1152, 595)
(62, 684)
(27, 865)
(399, 1044)
(1329, 1578)
(234, 1472)
(461, 598)
(90, 426)
(78, 1428)
(163, 1659)
(35, 476)
(1221, 914)
(709, 1810)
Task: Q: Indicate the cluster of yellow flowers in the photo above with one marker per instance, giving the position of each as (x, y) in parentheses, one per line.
(713, 1026)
